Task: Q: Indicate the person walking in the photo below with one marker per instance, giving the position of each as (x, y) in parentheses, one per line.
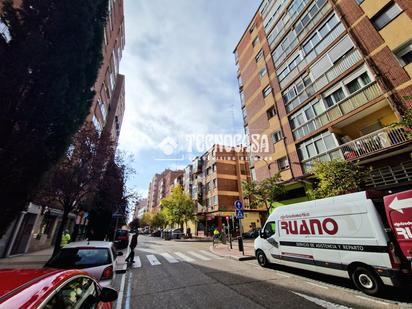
(215, 235)
(132, 245)
(65, 238)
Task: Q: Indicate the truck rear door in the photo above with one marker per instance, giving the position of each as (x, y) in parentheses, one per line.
(398, 209)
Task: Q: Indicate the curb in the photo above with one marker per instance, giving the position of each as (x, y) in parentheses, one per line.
(233, 257)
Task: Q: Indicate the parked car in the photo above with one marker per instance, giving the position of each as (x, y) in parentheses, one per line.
(157, 233)
(51, 288)
(177, 234)
(253, 233)
(122, 239)
(146, 230)
(97, 258)
(364, 236)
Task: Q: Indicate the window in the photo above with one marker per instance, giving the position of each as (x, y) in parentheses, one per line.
(97, 124)
(405, 54)
(335, 97)
(255, 41)
(259, 56)
(317, 145)
(360, 1)
(283, 164)
(252, 28)
(262, 73)
(102, 108)
(270, 229)
(77, 293)
(277, 136)
(267, 91)
(4, 31)
(386, 15)
(80, 258)
(353, 86)
(271, 112)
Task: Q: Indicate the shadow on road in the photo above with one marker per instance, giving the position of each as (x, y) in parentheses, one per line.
(390, 293)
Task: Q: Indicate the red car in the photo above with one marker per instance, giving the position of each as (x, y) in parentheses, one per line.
(51, 288)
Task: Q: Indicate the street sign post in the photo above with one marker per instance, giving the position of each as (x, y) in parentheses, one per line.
(240, 215)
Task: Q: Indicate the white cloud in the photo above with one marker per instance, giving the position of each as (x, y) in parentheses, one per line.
(180, 71)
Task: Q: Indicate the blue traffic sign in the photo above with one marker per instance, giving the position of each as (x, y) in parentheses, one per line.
(239, 214)
(238, 205)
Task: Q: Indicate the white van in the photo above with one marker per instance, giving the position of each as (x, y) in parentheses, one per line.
(347, 236)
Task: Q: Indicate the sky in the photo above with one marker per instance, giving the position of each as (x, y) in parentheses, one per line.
(182, 93)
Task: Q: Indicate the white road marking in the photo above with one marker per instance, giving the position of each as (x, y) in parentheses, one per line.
(129, 291)
(184, 257)
(169, 257)
(146, 250)
(210, 254)
(321, 302)
(283, 275)
(137, 262)
(153, 260)
(318, 285)
(199, 256)
(120, 296)
(370, 299)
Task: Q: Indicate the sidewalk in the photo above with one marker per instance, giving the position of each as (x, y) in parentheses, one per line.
(234, 253)
(29, 260)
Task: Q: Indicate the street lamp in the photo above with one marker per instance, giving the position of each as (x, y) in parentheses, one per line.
(267, 164)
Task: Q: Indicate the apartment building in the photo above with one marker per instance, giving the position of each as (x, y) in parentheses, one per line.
(214, 180)
(140, 208)
(161, 186)
(108, 107)
(36, 228)
(326, 79)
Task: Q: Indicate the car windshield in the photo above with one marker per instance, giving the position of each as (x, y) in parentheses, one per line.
(80, 258)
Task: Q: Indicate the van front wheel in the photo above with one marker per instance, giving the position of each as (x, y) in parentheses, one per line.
(366, 280)
(261, 258)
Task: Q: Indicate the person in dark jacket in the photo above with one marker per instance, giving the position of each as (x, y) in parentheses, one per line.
(133, 244)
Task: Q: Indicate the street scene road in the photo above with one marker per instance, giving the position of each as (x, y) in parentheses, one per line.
(186, 274)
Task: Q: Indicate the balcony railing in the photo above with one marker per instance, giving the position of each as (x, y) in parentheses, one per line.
(390, 175)
(364, 146)
(339, 67)
(344, 107)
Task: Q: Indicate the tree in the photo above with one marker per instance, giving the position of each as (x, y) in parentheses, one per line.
(180, 207)
(49, 64)
(337, 177)
(78, 175)
(159, 220)
(111, 197)
(146, 220)
(266, 192)
(135, 224)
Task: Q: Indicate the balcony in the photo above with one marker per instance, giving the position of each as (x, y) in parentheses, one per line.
(347, 61)
(390, 175)
(344, 107)
(365, 146)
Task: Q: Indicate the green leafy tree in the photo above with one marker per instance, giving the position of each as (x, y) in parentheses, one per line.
(159, 220)
(49, 64)
(265, 193)
(180, 207)
(337, 177)
(146, 220)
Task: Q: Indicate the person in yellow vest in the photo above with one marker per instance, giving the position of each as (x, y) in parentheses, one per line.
(65, 238)
(215, 235)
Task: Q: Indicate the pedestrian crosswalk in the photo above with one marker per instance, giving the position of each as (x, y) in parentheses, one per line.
(155, 259)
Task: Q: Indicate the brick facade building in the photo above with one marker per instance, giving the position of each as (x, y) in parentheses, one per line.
(325, 79)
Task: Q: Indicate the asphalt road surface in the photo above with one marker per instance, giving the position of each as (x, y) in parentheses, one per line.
(173, 274)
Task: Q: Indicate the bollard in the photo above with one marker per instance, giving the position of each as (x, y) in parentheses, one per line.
(240, 243)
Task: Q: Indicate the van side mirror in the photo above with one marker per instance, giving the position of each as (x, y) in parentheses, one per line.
(262, 234)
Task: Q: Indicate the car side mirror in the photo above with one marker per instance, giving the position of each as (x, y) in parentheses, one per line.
(108, 295)
(262, 234)
(119, 253)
